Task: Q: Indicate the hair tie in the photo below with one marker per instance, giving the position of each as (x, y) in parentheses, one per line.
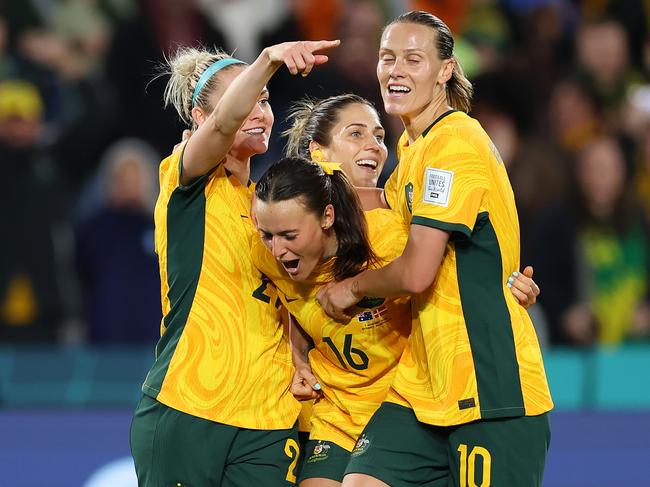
(330, 167)
(210, 72)
(318, 157)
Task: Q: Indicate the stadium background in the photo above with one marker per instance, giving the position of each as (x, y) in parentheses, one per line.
(561, 86)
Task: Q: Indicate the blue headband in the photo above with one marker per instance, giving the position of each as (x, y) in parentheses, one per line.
(208, 73)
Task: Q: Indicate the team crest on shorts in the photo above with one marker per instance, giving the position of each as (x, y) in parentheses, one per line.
(361, 447)
(320, 453)
(408, 191)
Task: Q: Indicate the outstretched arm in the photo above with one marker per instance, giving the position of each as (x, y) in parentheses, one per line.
(411, 273)
(213, 139)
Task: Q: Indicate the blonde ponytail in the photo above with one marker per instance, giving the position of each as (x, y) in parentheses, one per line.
(300, 113)
(184, 69)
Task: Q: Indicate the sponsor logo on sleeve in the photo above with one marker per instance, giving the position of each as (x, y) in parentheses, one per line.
(437, 186)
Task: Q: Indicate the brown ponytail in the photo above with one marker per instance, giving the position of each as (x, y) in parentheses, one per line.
(459, 89)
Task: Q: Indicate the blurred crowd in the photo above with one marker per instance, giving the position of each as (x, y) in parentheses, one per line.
(562, 87)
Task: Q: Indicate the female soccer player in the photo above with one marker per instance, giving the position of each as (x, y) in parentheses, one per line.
(344, 128)
(469, 399)
(311, 220)
(216, 410)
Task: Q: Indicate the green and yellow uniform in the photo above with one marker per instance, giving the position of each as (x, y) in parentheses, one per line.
(473, 353)
(222, 356)
(355, 362)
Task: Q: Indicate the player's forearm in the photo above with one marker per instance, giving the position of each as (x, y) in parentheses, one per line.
(412, 272)
(300, 344)
(240, 97)
(213, 139)
(386, 282)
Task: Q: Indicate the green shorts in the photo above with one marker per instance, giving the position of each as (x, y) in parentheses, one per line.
(303, 438)
(324, 459)
(401, 451)
(174, 449)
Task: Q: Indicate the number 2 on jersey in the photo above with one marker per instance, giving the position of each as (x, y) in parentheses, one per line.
(259, 292)
(292, 450)
(468, 466)
(349, 353)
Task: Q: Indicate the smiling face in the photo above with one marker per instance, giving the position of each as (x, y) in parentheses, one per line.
(253, 136)
(411, 74)
(296, 237)
(357, 142)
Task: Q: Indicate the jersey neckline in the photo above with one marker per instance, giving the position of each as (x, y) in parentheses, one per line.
(428, 129)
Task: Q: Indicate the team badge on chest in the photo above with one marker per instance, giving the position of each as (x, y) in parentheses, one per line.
(408, 192)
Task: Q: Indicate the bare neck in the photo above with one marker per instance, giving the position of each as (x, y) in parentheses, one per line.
(240, 168)
(416, 124)
(331, 244)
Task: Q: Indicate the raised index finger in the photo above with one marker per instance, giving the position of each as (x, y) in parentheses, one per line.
(313, 46)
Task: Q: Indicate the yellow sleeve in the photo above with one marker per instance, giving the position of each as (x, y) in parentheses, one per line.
(451, 187)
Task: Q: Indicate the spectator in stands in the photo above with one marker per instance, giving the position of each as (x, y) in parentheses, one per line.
(594, 257)
(138, 49)
(117, 265)
(604, 63)
(31, 308)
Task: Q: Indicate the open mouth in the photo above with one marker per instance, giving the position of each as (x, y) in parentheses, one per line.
(254, 131)
(291, 266)
(367, 164)
(398, 89)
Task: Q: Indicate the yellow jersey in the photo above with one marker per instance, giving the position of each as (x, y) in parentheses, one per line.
(222, 355)
(353, 362)
(304, 418)
(473, 352)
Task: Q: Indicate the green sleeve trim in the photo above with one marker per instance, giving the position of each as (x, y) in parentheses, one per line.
(458, 230)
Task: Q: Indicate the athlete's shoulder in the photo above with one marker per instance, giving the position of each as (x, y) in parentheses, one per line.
(387, 232)
(381, 219)
(462, 138)
(170, 165)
